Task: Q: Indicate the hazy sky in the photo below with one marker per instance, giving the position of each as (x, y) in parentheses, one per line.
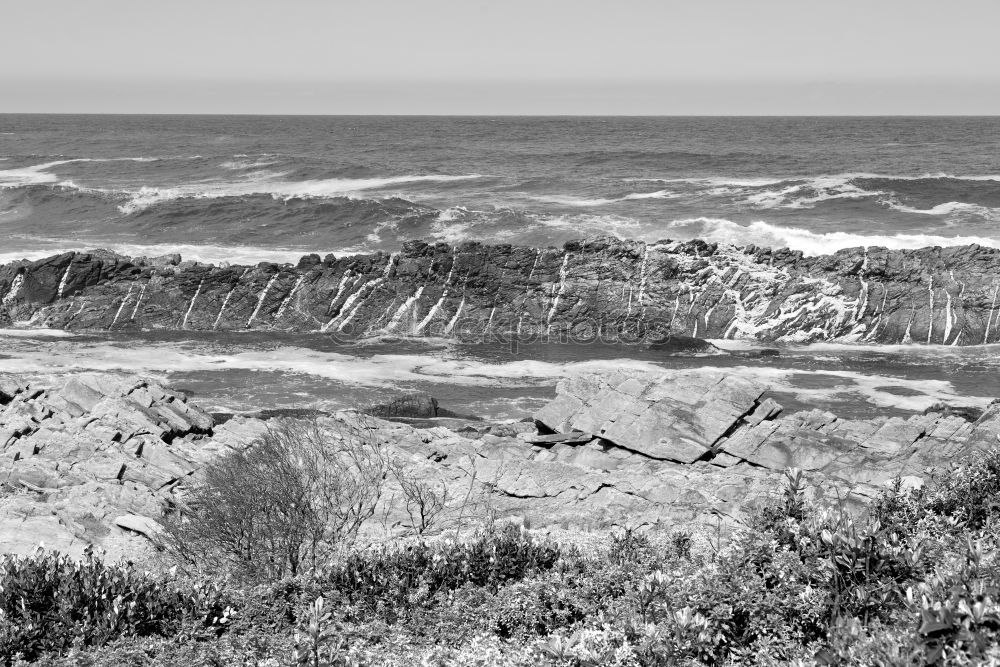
(501, 56)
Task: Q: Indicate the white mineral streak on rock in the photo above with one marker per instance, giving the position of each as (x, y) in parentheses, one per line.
(260, 300)
(121, 307)
(989, 321)
(451, 324)
(142, 293)
(527, 288)
(64, 280)
(392, 261)
(642, 276)
(559, 292)
(340, 289)
(947, 317)
(405, 308)
(863, 294)
(15, 288)
(347, 313)
(284, 304)
(879, 315)
(436, 308)
(907, 337)
(218, 318)
(191, 305)
(961, 304)
(930, 317)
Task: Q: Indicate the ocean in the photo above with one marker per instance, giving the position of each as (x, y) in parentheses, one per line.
(244, 188)
(249, 189)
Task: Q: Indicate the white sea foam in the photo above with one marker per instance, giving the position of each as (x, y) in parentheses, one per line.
(36, 333)
(211, 254)
(951, 208)
(271, 183)
(245, 163)
(567, 200)
(810, 243)
(39, 174)
(778, 180)
(392, 370)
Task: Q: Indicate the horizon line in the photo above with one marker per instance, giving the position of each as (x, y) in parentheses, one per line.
(499, 115)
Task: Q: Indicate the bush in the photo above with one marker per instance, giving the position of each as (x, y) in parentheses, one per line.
(914, 582)
(289, 502)
(50, 602)
(393, 579)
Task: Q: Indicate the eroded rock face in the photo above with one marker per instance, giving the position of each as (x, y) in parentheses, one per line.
(724, 422)
(96, 459)
(612, 288)
(99, 459)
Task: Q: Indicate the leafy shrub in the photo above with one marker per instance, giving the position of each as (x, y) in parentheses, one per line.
(397, 578)
(51, 602)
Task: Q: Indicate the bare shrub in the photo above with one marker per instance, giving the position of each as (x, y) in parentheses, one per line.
(286, 503)
(425, 501)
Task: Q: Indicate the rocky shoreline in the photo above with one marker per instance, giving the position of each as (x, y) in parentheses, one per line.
(98, 459)
(607, 288)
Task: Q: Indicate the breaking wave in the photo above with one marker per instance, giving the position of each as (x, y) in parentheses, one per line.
(601, 201)
(273, 186)
(812, 243)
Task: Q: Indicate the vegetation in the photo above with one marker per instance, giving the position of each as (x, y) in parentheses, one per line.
(289, 502)
(916, 581)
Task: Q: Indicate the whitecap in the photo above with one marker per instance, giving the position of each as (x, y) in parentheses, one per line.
(949, 208)
(209, 254)
(567, 200)
(271, 183)
(762, 233)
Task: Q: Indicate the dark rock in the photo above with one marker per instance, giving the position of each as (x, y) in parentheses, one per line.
(626, 290)
(969, 413)
(415, 405)
(678, 344)
(289, 413)
(308, 261)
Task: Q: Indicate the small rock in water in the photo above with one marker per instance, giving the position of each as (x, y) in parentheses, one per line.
(680, 345)
(416, 405)
(969, 413)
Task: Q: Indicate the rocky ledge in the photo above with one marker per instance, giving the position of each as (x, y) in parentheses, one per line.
(616, 289)
(101, 458)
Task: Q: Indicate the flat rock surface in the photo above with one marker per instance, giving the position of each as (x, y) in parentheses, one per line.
(97, 459)
(677, 416)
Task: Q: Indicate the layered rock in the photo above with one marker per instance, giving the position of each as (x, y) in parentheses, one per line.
(726, 422)
(101, 458)
(95, 460)
(615, 289)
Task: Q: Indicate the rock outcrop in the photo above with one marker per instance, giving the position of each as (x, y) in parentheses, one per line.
(614, 289)
(101, 458)
(726, 422)
(97, 459)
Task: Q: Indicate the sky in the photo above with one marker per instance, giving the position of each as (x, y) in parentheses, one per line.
(501, 56)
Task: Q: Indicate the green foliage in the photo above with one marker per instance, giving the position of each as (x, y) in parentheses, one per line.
(389, 580)
(915, 581)
(50, 603)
